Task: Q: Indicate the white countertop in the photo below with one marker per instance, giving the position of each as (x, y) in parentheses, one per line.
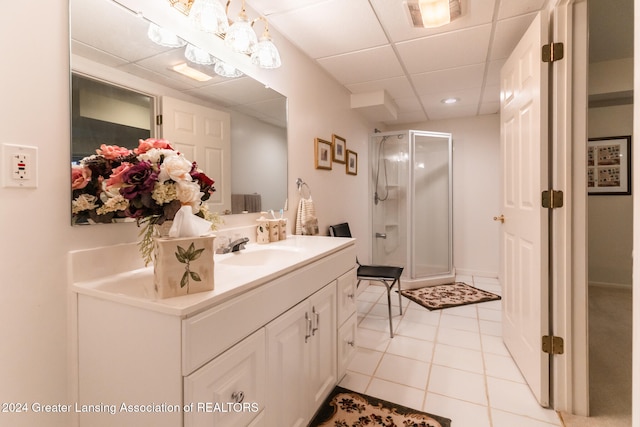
(234, 273)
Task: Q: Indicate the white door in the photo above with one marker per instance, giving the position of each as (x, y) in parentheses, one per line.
(524, 236)
(203, 135)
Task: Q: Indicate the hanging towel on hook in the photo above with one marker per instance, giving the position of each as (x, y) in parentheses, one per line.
(306, 221)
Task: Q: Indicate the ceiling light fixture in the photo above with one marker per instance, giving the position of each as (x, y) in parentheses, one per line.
(240, 37)
(209, 16)
(265, 53)
(197, 55)
(432, 13)
(225, 70)
(449, 101)
(192, 73)
(164, 37)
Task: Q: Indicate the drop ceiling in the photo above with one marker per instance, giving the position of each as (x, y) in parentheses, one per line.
(370, 46)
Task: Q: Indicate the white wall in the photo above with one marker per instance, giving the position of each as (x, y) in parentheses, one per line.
(476, 190)
(34, 224)
(610, 218)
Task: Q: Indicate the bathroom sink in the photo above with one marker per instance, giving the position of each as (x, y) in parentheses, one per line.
(259, 257)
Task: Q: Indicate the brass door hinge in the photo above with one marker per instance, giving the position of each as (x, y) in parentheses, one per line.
(552, 345)
(552, 199)
(159, 119)
(552, 52)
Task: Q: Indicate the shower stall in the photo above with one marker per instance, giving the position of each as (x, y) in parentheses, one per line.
(411, 205)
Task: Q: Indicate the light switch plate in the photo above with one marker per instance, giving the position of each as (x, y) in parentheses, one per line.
(20, 166)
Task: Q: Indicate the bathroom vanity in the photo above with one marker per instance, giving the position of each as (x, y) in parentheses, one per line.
(264, 348)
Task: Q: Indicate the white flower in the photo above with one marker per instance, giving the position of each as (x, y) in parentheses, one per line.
(189, 194)
(155, 154)
(164, 193)
(84, 202)
(176, 168)
(113, 204)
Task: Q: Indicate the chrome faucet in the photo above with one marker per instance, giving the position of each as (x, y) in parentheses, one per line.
(235, 246)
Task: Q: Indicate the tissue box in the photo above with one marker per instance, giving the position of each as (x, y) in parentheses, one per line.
(182, 265)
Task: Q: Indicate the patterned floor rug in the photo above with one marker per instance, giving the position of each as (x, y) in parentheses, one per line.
(346, 408)
(449, 295)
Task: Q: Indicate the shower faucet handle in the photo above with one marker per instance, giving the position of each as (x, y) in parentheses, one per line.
(381, 235)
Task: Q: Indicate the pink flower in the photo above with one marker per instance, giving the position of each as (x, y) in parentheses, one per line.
(116, 178)
(80, 177)
(149, 143)
(112, 152)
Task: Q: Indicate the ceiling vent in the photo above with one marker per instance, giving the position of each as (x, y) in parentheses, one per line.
(412, 8)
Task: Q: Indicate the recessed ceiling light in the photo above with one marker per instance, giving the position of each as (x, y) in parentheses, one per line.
(450, 100)
(192, 73)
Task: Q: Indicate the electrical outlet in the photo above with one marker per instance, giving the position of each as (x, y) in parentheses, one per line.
(20, 166)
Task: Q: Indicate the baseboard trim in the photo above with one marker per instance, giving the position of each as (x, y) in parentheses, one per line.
(469, 272)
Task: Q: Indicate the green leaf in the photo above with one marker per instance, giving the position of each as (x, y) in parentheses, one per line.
(195, 276)
(180, 258)
(196, 254)
(185, 279)
(182, 252)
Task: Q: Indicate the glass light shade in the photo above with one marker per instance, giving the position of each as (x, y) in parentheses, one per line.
(240, 37)
(225, 70)
(164, 37)
(209, 16)
(197, 55)
(435, 13)
(265, 54)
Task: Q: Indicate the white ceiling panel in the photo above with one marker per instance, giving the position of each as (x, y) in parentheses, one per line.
(508, 33)
(397, 87)
(510, 8)
(396, 21)
(452, 79)
(320, 32)
(448, 50)
(363, 66)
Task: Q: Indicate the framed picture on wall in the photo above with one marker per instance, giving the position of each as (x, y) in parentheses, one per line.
(322, 154)
(609, 165)
(352, 162)
(339, 148)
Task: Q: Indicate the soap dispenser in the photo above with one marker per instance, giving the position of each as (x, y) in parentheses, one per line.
(262, 230)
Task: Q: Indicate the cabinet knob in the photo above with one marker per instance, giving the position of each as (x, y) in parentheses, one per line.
(351, 296)
(237, 396)
(351, 343)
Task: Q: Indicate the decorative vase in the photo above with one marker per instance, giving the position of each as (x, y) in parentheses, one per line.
(182, 266)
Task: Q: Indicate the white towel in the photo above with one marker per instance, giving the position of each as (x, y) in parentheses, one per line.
(306, 221)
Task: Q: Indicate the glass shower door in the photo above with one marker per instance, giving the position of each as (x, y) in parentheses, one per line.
(431, 205)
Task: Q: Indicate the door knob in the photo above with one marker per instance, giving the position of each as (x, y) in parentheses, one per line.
(499, 218)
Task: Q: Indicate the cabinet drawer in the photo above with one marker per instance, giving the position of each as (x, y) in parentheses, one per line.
(347, 295)
(347, 335)
(229, 390)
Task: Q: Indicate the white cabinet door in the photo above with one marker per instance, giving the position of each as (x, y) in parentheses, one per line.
(322, 345)
(229, 390)
(347, 295)
(347, 344)
(288, 362)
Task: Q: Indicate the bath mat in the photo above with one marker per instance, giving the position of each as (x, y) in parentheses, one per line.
(346, 408)
(449, 295)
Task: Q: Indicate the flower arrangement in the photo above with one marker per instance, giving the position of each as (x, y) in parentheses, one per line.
(149, 184)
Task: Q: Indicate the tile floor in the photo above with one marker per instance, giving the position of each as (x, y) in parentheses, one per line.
(448, 362)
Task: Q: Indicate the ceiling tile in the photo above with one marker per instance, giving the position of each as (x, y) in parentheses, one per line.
(396, 87)
(507, 34)
(320, 31)
(509, 8)
(364, 65)
(449, 50)
(452, 79)
(395, 18)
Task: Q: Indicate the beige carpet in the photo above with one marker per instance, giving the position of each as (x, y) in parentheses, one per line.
(609, 359)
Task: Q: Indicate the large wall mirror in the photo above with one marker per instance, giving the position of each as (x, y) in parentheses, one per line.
(120, 78)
